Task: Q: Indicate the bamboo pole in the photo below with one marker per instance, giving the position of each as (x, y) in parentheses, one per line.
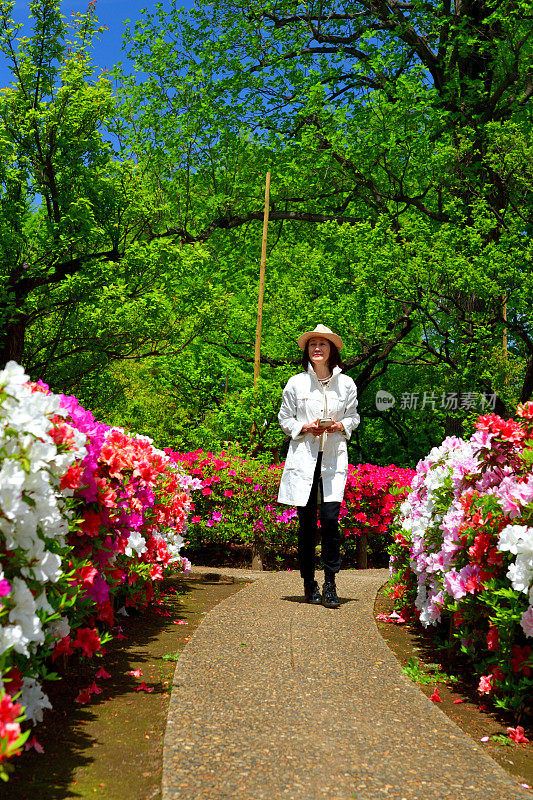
(257, 356)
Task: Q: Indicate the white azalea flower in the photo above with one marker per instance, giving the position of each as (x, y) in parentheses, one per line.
(12, 638)
(42, 604)
(511, 537)
(136, 543)
(12, 479)
(13, 374)
(520, 575)
(34, 699)
(24, 612)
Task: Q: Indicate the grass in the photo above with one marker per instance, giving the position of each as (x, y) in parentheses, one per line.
(426, 674)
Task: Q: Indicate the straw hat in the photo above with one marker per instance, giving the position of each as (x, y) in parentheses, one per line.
(322, 331)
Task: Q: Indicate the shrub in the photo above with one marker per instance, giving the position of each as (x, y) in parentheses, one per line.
(463, 552)
(238, 505)
(89, 519)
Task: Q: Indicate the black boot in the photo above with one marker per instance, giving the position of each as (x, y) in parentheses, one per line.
(329, 594)
(312, 593)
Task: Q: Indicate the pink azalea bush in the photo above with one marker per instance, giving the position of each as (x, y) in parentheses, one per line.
(90, 519)
(238, 504)
(462, 556)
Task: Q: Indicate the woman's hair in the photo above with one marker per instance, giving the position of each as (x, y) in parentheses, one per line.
(334, 359)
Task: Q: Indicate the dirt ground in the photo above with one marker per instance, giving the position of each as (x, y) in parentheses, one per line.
(411, 642)
(112, 747)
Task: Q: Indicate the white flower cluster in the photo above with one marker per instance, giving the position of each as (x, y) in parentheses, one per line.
(440, 479)
(518, 539)
(33, 514)
(421, 522)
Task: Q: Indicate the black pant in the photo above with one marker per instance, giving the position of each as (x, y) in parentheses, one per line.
(307, 534)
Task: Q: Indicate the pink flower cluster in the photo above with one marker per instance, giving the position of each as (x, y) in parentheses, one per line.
(132, 505)
(238, 502)
(464, 551)
(91, 519)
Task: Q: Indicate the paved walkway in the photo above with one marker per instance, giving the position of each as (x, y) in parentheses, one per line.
(275, 699)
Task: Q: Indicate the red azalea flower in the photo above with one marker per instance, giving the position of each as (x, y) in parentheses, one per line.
(435, 696)
(13, 680)
(9, 711)
(102, 674)
(106, 613)
(86, 575)
(492, 638)
(88, 641)
(498, 674)
(62, 434)
(83, 697)
(107, 496)
(481, 544)
(521, 655)
(62, 648)
(517, 735)
(156, 572)
(33, 744)
(91, 523)
(458, 618)
(525, 410)
(485, 685)
(142, 687)
(72, 478)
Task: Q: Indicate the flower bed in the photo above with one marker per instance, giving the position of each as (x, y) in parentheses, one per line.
(371, 497)
(238, 505)
(463, 553)
(90, 518)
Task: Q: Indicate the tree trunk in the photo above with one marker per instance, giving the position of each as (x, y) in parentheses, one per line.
(12, 342)
(361, 551)
(527, 386)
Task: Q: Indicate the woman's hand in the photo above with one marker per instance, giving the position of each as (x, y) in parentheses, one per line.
(313, 428)
(336, 427)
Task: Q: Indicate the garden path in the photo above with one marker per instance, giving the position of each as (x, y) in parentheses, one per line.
(275, 699)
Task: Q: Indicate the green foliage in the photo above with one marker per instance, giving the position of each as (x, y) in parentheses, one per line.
(425, 673)
(401, 215)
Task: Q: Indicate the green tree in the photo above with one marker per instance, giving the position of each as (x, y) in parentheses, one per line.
(407, 123)
(87, 274)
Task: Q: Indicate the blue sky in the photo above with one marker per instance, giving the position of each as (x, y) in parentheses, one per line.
(111, 13)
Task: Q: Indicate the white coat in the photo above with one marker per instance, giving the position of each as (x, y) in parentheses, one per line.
(304, 400)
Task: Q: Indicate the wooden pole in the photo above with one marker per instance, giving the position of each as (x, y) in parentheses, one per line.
(258, 546)
(504, 314)
(257, 357)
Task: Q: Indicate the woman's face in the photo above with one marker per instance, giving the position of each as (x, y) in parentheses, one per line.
(319, 350)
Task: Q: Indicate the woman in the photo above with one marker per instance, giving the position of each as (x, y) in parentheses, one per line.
(317, 462)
